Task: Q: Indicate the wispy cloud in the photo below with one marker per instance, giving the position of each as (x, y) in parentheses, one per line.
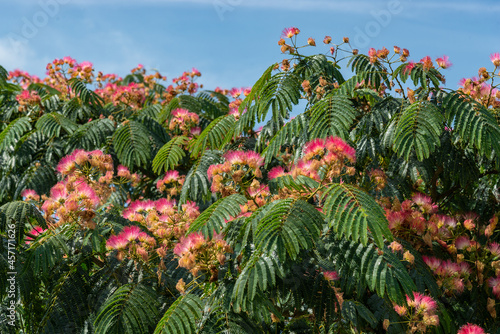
(14, 54)
(341, 6)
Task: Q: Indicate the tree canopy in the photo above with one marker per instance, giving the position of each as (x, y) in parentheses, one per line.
(131, 205)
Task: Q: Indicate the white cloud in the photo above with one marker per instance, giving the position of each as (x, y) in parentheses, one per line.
(14, 53)
(339, 6)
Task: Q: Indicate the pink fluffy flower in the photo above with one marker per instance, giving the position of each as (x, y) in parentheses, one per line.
(30, 194)
(37, 230)
(470, 329)
(86, 66)
(290, 32)
(443, 62)
(254, 160)
(66, 165)
(494, 248)
(123, 171)
(116, 242)
(171, 176)
(331, 275)
(130, 233)
(315, 147)
(191, 209)
(433, 262)
(422, 302)
(235, 92)
(495, 59)
(85, 192)
(235, 157)
(421, 199)
(165, 206)
(276, 172)
(494, 282)
(427, 62)
(337, 145)
(58, 192)
(191, 242)
(196, 131)
(462, 242)
(396, 219)
(409, 67)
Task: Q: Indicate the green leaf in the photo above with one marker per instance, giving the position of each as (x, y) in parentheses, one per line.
(37, 177)
(372, 73)
(254, 95)
(181, 316)
(169, 156)
(293, 132)
(259, 273)
(91, 135)
(215, 216)
(132, 308)
(300, 183)
(475, 124)
(351, 212)
(289, 225)
(418, 130)
(87, 96)
(11, 134)
(132, 144)
(47, 251)
(333, 115)
(280, 93)
(196, 187)
(22, 216)
(216, 135)
(52, 123)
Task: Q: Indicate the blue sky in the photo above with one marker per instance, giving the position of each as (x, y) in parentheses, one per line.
(233, 41)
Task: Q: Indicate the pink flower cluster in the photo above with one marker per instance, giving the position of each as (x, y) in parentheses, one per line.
(86, 186)
(163, 218)
(470, 329)
(480, 90)
(72, 200)
(27, 99)
(110, 86)
(171, 183)
(235, 93)
(236, 173)
(185, 82)
(133, 242)
(418, 215)
(132, 95)
(418, 222)
(22, 78)
(36, 231)
(79, 158)
(331, 275)
(421, 312)
(375, 55)
(184, 122)
(329, 157)
(196, 254)
(450, 275)
(30, 195)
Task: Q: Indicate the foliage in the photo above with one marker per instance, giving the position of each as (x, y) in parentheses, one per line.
(132, 206)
